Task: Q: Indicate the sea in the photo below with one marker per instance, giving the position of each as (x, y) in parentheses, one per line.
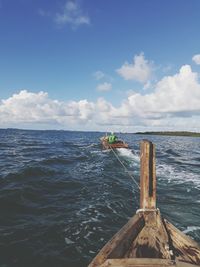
(62, 197)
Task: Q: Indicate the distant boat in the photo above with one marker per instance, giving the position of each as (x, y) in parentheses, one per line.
(116, 144)
(148, 240)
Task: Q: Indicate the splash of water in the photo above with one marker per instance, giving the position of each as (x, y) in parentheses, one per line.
(128, 153)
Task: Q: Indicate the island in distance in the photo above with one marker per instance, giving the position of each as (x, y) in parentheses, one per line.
(172, 133)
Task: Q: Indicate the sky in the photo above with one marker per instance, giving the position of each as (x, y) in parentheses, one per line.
(100, 65)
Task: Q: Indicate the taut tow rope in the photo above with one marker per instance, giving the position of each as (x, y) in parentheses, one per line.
(124, 166)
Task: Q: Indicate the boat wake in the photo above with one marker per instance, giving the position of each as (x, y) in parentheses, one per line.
(128, 153)
(177, 176)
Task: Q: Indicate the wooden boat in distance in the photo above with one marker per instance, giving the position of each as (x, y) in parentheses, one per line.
(148, 239)
(117, 144)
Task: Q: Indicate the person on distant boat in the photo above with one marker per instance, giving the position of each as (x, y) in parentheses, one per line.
(106, 137)
(112, 138)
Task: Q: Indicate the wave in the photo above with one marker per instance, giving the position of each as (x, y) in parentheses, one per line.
(177, 175)
(28, 172)
(128, 153)
(191, 229)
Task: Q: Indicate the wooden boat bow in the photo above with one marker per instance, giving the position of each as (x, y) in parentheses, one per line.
(148, 239)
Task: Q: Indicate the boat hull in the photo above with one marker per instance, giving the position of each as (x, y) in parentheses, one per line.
(117, 144)
(148, 240)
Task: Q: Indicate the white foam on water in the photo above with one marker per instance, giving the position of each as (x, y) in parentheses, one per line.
(96, 152)
(128, 153)
(191, 229)
(68, 241)
(171, 174)
(88, 235)
(109, 207)
(105, 151)
(91, 145)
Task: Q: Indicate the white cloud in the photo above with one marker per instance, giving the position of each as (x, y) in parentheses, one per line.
(98, 75)
(140, 70)
(196, 59)
(175, 97)
(104, 87)
(147, 85)
(27, 107)
(72, 14)
(174, 105)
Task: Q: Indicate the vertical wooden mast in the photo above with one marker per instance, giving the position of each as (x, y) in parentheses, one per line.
(147, 175)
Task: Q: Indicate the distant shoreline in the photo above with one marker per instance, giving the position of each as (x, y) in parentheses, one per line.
(175, 133)
(164, 133)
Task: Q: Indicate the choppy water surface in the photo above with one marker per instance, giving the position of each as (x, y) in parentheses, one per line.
(62, 197)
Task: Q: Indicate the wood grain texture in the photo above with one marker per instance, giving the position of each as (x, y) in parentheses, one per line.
(185, 248)
(120, 243)
(152, 241)
(147, 175)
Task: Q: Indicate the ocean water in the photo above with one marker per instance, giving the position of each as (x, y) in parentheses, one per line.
(62, 197)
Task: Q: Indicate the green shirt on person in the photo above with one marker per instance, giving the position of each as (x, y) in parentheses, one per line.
(112, 139)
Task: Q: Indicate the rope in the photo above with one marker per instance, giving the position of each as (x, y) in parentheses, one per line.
(124, 166)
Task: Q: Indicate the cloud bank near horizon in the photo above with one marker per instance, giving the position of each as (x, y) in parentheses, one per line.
(174, 104)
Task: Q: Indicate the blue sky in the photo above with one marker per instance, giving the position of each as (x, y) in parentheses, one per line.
(76, 51)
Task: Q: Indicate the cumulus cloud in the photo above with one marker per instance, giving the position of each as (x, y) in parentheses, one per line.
(72, 14)
(173, 105)
(196, 59)
(175, 98)
(104, 87)
(140, 70)
(27, 107)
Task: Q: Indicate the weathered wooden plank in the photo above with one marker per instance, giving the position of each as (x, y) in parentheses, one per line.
(137, 263)
(185, 248)
(120, 243)
(152, 241)
(147, 175)
(148, 262)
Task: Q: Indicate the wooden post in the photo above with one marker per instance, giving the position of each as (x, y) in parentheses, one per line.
(147, 175)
